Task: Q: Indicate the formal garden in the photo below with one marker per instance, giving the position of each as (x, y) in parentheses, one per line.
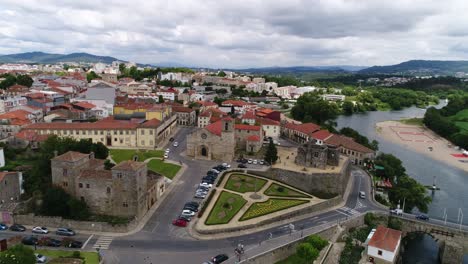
(242, 197)
(157, 164)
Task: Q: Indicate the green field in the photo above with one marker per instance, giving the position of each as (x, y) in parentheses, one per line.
(283, 191)
(119, 155)
(225, 208)
(167, 169)
(461, 120)
(270, 206)
(89, 257)
(243, 183)
(412, 121)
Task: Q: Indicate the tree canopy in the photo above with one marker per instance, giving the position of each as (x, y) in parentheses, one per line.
(271, 154)
(11, 80)
(311, 107)
(18, 254)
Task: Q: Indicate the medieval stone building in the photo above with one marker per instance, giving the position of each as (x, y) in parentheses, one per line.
(316, 155)
(127, 190)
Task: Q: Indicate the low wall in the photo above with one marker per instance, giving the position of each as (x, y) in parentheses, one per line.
(313, 208)
(322, 185)
(55, 222)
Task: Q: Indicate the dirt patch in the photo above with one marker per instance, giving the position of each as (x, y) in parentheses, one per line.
(237, 185)
(221, 215)
(231, 200)
(250, 185)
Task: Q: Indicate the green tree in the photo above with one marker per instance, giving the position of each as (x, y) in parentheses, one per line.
(24, 80)
(9, 81)
(122, 68)
(393, 166)
(18, 254)
(78, 210)
(54, 202)
(317, 242)
(160, 99)
(414, 194)
(307, 252)
(348, 107)
(271, 154)
(91, 76)
(311, 107)
(221, 74)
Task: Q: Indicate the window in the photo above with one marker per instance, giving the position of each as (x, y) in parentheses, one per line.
(65, 184)
(121, 132)
(80, 185)
(125, 204)
(108, 190)
(87, 186)
(126, 132)
(82, 199)
(379, 252)
(142, 131)
(119, 175)
(102, 132)
(95, 132)
(151, 142)
(65, 172)
(115, 132)
(142, 142)
(316, 154)
(151, 132)
(115, 139)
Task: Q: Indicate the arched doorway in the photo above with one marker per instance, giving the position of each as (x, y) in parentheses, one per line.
(204, 151)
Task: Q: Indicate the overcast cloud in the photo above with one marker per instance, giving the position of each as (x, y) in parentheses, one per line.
(240, 33)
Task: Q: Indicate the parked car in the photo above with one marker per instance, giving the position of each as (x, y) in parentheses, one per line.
(40, 258)
(70, 243)
(362, 195)
(241, 165)
(220, 258)
(29, 240)
(179, 222)
(422, 217)
(215, 171)
(65, 232)
(166, 156)
(396, 211)
(254, 161)
(168, 150)
(53, 242)
(242, 160)
(3, 226)
(171, 139)
(193, 203)
(212, 173)
(250, 161)
(225, 165)
(200, 195)
(40, 230)
(191, 208)
(17, 228)
(176, 144)
(185, 218)
(205, 184)
(188, 212)
(262, 162)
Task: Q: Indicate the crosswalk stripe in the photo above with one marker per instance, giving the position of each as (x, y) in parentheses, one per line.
(103, 242)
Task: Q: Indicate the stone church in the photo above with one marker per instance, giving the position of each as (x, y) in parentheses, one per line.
(317, 155)
(216, 141)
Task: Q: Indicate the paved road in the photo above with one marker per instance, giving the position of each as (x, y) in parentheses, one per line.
(161, 242)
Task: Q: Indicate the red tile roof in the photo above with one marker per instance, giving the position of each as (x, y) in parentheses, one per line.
(253, 138)
(248, 115)
(267, 121)
(234, 103)
(71, 156)
(322, 134)
(30, 135)
(205, 114)
(3, 174)
(206, 103)
(153, 123)
(182, 109)
(215, 128)
(306, 128)
(17, 117)
(247, 127)
(101, 124)
(385, 238)
(129, 165)
(85, 105)
(348, 143)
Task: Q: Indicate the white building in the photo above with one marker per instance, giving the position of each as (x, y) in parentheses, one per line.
(384, 245)
(284, 91)
(334, 97)
(102, 109)
(10, 102)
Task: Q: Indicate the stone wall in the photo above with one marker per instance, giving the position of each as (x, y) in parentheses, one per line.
(55, 222)
(313, 208)
(322, 185)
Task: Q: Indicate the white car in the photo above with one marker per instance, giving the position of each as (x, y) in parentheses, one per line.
(176, 144)
(188, 213)
(40, 258)
(262, 162)
(166, 156)
(250, 161)
(225, 165)
(205, 184)
(254, 162)
(40, 230)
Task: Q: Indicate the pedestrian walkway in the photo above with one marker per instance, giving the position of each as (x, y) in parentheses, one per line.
(347, 211)
(103, 242)
(359, 205)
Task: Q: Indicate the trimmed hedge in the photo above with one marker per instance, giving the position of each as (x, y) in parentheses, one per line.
(206, 203)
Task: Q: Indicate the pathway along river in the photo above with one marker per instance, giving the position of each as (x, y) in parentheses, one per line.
(453, 182)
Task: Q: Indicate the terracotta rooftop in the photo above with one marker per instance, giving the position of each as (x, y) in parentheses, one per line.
(182, 109)
(107, 123)
(253, 138)
(267, 121)
(385, 238)
(5, 173)
(234, 103)
(322, 134)
(85, 105)
(71, 156)
(247, 127)
(215, 128)
(30, 135)
(248, 115)
(153, 123)
(206, 103)
(17, 117)
(205, 114)
(348, 143)
(306, 128)
(129, 165)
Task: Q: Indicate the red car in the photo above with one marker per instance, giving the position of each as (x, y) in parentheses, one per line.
(179, 222)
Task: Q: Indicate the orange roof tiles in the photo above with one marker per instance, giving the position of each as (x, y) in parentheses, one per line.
(385, 238)
(234, 103)
(248, 115)
(129, 165)
(348, 143)
(215, 128)
(253, 138)
(182, 109)
(153, 123)
(206, 103)
(322, 134)
(71, 156)
(85, 105)
(307, 128)
(267, 121)
(247, 127)
(17, 117)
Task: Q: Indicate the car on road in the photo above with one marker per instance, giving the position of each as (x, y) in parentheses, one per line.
(190, 207)
(29, 240)
(176, 144)
(262, 162)
(51, 242)
(166, 156)
(220, 258)
(40, 258)
(205, 184)
(422, 217)
(40, 230)
(62, 231)
(17, 228)
(255, 161)
(3, 226)
(168, 150)
(200, 195)
(242, 165)
(396, 211)
(225, 165)
(70, 243)
(362, 195)
(179, 222)
(249, 161)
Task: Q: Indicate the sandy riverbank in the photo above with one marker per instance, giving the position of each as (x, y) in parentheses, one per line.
(420, 139)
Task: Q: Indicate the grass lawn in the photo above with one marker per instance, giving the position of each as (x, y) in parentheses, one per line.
(412, 121)
(283, 191)
(225, 208)
(270, 206)
(90, 257)
(167, 169)
(119, 155)
(461, 116)
(243, 183)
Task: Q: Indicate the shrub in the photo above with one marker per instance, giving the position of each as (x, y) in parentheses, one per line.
(280, 189)
(379, 198)
(317, 242)
(76, 254)
(206, 203)
(369, 219)
(394, 223)
(307, 252)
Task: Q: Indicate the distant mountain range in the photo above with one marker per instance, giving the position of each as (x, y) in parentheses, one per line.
(420, 67)
(302, 69)
(48, 58)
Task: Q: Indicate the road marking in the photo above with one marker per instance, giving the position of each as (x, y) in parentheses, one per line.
(156, 226)
(347, 211)
(359, 205)
(87, 241)
(103, 242)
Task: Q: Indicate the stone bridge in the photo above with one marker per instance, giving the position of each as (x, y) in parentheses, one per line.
(453, 242)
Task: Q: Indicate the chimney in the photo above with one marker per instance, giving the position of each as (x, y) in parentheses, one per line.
(55, 153)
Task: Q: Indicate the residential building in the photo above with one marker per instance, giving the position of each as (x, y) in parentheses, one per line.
(127, 190)
(13, 121)
(300, 133)
(185, 116)
(210, 116)
(347, 146)
(101, 91)
(270, 128)
(11, 186)
(16, 90)
(269, 114)
(384, 245)
(9, 102)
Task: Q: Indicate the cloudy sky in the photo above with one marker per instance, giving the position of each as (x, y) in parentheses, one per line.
(240, 33)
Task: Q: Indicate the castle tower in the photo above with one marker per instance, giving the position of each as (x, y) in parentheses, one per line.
(228, 125)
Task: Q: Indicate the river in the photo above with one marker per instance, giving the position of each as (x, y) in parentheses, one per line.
(453, 182)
